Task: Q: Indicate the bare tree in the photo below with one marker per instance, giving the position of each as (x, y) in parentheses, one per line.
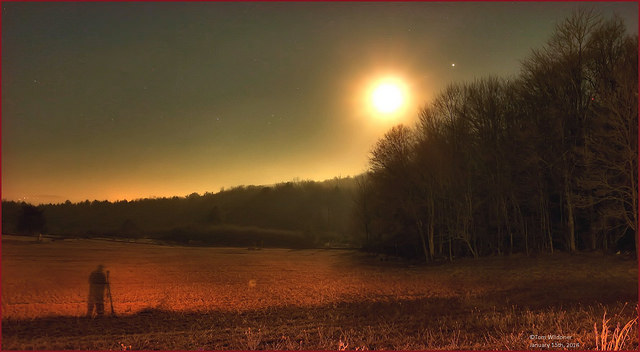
(611, 146)
(530, 163)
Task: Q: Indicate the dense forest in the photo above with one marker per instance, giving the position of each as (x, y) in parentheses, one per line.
(540, 162)
(545, 161)
(291, 214)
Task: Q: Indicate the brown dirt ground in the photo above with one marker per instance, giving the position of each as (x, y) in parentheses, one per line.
(211, 298)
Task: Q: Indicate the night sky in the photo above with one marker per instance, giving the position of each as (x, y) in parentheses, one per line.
(131, 100)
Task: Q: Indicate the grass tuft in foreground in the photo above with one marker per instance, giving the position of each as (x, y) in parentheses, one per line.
(615, 340)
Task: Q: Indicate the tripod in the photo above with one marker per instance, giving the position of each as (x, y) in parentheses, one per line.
(113, 313)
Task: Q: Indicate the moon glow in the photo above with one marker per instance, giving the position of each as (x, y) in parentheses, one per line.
(387, 98)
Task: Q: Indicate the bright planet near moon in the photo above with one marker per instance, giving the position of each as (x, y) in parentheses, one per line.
(387, 98)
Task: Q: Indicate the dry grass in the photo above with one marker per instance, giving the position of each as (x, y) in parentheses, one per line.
(615, 340)
(191, 298)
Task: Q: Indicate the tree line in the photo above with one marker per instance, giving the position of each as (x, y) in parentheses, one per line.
(297, 213)
(541, 162)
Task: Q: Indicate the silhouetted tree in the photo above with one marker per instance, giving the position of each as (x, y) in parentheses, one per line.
(130, 228)
(214, 216)
(363, 211)
(610, 151)
(547, 159)
(31, 219)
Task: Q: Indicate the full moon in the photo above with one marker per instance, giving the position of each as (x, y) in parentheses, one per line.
(387, 98)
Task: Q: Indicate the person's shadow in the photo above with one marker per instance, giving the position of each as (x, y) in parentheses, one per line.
(98, 283)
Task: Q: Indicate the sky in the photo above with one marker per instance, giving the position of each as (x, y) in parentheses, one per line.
(113, 101)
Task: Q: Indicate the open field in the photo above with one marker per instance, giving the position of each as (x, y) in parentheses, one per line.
(233, 298)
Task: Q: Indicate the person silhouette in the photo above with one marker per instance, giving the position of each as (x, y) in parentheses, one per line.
(97, 284)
